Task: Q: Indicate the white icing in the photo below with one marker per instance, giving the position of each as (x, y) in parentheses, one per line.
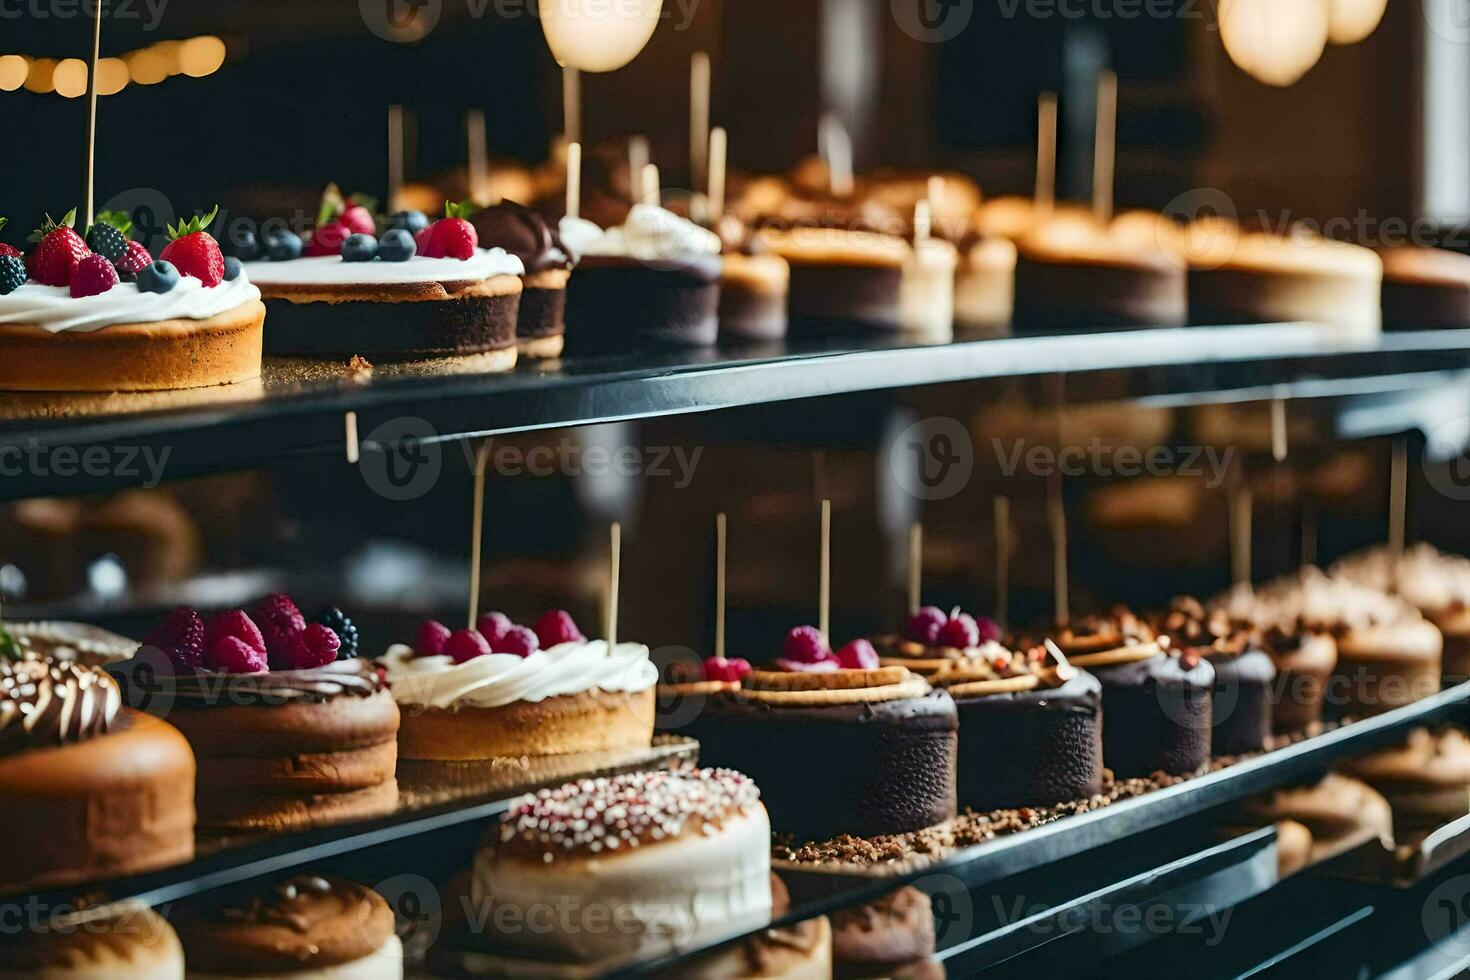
(653, 234)
(54, 309)
(385, 963)
(577, 235)
(332, 270)
(502, 678)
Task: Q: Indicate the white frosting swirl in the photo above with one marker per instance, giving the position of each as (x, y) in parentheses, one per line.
(577, 235)
(503, 678)
(653, 234)
(54, 309)
(332, 270)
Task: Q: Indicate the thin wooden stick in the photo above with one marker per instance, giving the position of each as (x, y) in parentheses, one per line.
(349, 432)
(1279, 445)
(1002, 560)
(1057, 511)
(719, 153)
(1398, 495)
(1241, 512)
(92, 114)
(477, 530)
(720, 586)
(836, 147)
(638, 160)
(616, 559)
(699, 101)
(916, 565)
(1105, 153)
(923, 221)
(824, 582)
(1046, 152)
(479, 155)
(652, 192)
(571, 105)
(395, 157)
(574, 180)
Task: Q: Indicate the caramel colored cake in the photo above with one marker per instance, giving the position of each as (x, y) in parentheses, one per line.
(1340, 814)
(753, 291)
(892, 937)
(88, 789)
(1426, 780)
(1436, 584)
(985, 283)
(1425, 289)
(1241, 703)
(305, 926)
(841, 280)
(131, 942)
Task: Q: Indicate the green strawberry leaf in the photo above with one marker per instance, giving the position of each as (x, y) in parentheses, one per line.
(460, 209)
(3, 223)
(332, 205)
(361, 200)
(51, 224)
(192, 226)
(10, 648)
(120, 220)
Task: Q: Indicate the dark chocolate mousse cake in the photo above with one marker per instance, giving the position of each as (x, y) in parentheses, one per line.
(1425, 288)
(548, 260)
(838, 746)
(88, 788)
(841, 280)
(291, 729)
(1158, 705)
(1244, 673)
(753, 288)
(1030, 731)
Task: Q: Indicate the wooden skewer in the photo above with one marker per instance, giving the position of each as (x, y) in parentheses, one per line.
(1398, 495)
(836, 147)
(571, 104)
(574, 180)
(349, 432)
(699, 101)
(1057, 511)
(91, 188)
(1002, 560)
(479, 156)
(824, 581)
(1046, 152)
(719, 152)
(720, 586)
(1278, 430)
(477, 531)
(1241, 512)
(616, 558)
(638, 160)
(395, 157)
(916, 565)
(923, 222)
(1106, 149)
(652, 193)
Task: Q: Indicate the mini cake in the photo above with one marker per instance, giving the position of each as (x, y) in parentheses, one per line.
(838, 744)
(985, 284)
(926, 296)
(429, 293)
(1426, 780)
(291, 729)
(504, 691)
(652, 281)
(1028, 735)
(1436, 584)
(88, 789)
(131, 942)
(1244, 674)
(1425, 289)
(1157, 706)
(892, 937)
(799, 952)
(841, 280)
(82, 643)
(306, 926)
(103, 315)
(679, 858)
(1304, 660)
(753, 287)
(1340, 813)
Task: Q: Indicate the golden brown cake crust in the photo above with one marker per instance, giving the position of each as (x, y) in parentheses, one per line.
(392, 292)
(167, 354)
(591, 721)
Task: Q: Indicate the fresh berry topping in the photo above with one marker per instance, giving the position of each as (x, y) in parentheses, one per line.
(729, 671)
(94, 276)
(924, 625)
(453, 237)
(336, 620)
(961, 631)
(359, 218)
(802, 667)
(315, 646)
(423, 243)
(194, 251)
(59, 251)
(135, 259)
(158, 277)
(181, 637)
(12, 274)
(242, 244)
(396, 245)
(431, 637)
(232, 655)
(858, 655)
(328, 239)
(237, 624)
(412, 222)
(807, 645)
(109, 235)
(464, 645)
(233, 268)
(7, 251)
(280, 622)
(283, 246)
(493, 626)
(519, 641)
(359, 248)
(989, 630)
(555, 627)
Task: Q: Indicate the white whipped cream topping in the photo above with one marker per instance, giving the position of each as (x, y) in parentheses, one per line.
(1432, 581)
(577, 235)
(54, 309)
(652, 234)
(503, 678)
(1312, 600)
(332, 270)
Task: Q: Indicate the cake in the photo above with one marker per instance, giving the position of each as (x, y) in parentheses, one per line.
(83, 643)
(88, 788)
(753, 287)
(504, 691)
(838, 746)
(128, 942)
(288, 736)
(111, 318)
(673, 860)
(653, 281)
(1157, 705)
(1426, 780)
(1241, 702)
(1425, 289)
(1340, 814)
(305, 926)
(892, 937)
(1030, 733)
(985, 283)
(408, 295)
(842, 280)
(1436, 584)
(799, 952)
(926, 296)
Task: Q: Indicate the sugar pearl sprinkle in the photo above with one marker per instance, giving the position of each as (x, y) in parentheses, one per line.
(613, 813)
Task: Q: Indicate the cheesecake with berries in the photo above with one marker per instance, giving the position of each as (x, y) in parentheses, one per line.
(838, 743)
(507, 691)
(432, 292)
(101, 314)
(291, 729)
(1012, 705)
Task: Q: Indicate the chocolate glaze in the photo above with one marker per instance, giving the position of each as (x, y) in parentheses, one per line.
(1031, 748)
(205, 689)
(46, 703)
(1158, 715)
(618, 304)
(825, 770)
(523, 233)
(388, 331)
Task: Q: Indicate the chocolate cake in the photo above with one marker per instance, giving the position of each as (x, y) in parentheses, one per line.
(1425, 289)
(527, 235)
(1244, 674)
(892, 937)
(842, 281)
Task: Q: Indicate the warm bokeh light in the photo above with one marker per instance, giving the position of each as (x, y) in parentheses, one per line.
(195, 57)
(1274, 41)
(70, 78)
(112, 76)
(13, 71)
(597, 37)
(147, 66)
(201, 56)
(39, 77)
(1354, 20)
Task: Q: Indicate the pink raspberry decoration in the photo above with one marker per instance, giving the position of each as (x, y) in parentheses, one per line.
(519, 641)
(180, 637)
(731, 671)
(465, 645)
(858, 655)
(94, 276)
(280, 624)
(924, 625)
(232, 655)
(805, 644)
(961, 631)
(233, 623)
(556, 626)
(493, 626)
(989, 630)
(431, 638)
(315, 646)
(801, 667)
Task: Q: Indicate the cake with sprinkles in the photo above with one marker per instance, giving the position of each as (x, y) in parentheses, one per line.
(669, 859)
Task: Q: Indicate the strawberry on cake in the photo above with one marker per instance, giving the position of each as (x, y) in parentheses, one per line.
(100, 314)
(421, 290)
